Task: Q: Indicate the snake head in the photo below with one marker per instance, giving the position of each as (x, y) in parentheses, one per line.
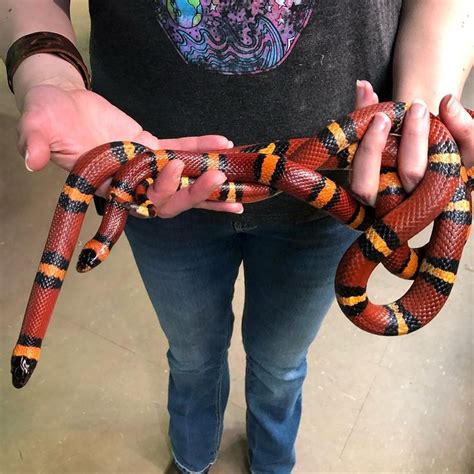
(95, 251)
(87, 260)
(22, 368)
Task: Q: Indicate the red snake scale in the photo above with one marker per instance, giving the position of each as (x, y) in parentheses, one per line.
(257, 172)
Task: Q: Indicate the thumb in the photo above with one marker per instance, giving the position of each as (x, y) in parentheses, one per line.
(33, 142)
(36, 152)
(461, 126)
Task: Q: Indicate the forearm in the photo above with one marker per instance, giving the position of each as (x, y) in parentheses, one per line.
(434, 50)
(19, 18)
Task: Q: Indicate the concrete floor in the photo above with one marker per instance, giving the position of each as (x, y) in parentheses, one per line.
(97, 402)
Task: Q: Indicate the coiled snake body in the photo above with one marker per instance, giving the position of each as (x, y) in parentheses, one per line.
(257, 172)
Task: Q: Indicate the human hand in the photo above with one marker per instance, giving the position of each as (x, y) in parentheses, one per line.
(412, 158)
(61, 124)
(461, 126)
(169, 201)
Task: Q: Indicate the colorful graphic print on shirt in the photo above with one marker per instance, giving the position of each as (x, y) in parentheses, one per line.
(234, 37)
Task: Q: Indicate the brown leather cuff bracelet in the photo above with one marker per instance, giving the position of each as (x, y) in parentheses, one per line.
(44, 42)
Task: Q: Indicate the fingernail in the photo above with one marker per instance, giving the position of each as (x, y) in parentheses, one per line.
(361, 88)
(221, 181)
(381, 121)
(26, 162)
(452, 106)
(363, 201)
(241, 211)
(230, 144)
(418, 109)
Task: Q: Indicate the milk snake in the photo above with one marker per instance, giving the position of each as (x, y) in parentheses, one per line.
(257, 172)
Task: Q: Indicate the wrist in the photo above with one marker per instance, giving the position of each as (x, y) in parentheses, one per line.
(45, 69)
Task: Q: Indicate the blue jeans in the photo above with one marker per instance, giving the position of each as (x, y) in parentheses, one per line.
(189, 265)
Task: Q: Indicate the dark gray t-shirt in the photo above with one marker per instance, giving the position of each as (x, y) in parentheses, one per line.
(254, 71)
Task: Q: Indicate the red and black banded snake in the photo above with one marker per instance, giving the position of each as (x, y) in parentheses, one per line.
(257, 172)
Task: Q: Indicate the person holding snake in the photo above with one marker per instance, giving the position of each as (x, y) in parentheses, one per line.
(252, 72)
